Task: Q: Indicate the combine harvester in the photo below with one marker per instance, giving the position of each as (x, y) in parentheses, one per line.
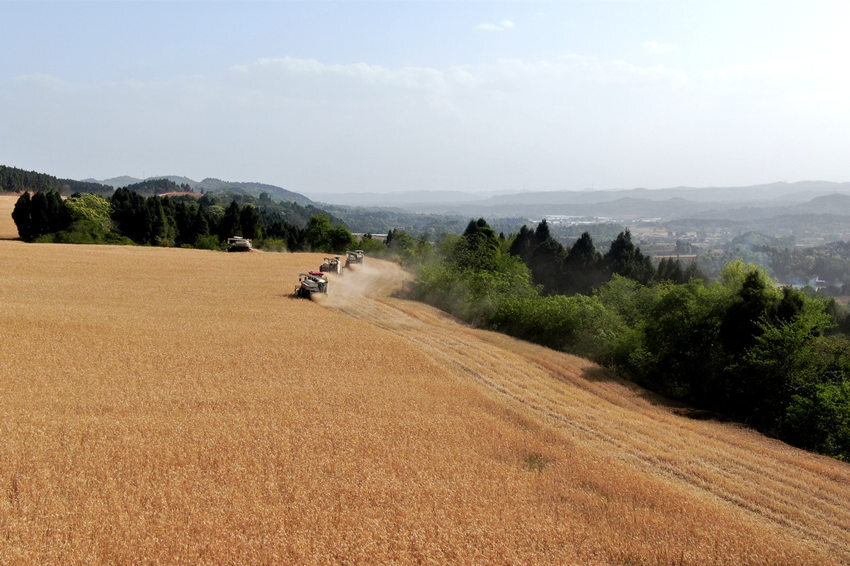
(332, 265)
(354, 257)
(311, 283)
(239, 244)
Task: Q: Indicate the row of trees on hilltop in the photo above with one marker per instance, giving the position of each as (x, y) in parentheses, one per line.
(581, 268)
(128, 217)
(14, 180)
(151, 187)
(739, 346)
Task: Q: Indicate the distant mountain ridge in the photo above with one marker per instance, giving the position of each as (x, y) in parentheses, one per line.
(675, 202)
(399, 199)
(781, 191)
(837, 203)
(214, 185)
(115, 182)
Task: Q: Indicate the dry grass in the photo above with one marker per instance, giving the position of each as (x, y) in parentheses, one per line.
(177, 406)
(8, 230)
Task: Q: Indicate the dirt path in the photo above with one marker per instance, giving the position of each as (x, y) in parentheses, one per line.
(803, 494)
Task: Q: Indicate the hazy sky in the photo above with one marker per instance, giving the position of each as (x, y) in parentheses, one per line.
(400, 96)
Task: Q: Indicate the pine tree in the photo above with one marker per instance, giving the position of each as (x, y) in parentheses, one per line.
(230, 222)
(584, 266)
(22, 217)
(624, 258)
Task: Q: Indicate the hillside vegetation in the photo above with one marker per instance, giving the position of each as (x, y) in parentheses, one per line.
(176, 405)
(775, 359)
(13, 179)
(128, 217)
(210, 185)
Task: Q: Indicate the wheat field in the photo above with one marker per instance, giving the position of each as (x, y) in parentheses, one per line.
(7, 225)
(179, 406)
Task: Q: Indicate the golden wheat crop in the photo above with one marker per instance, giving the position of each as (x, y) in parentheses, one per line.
(8, 230)
(178, 406)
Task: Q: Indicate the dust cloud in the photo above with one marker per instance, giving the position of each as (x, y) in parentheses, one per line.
(376, 279)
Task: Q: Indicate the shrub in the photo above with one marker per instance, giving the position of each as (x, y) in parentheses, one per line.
(208, 242)
(272, 245)
(821, 422)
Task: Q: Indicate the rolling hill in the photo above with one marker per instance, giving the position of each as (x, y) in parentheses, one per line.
(215, 185)
(172, 405)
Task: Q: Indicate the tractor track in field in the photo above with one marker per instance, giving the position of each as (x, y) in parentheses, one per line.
(734, 465)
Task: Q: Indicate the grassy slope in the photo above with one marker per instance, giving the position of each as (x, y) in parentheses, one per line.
(178, 406)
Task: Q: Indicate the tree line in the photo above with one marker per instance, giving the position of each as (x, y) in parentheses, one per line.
(14, 180)
(581, 268)
(129, 217)
(739, 347)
